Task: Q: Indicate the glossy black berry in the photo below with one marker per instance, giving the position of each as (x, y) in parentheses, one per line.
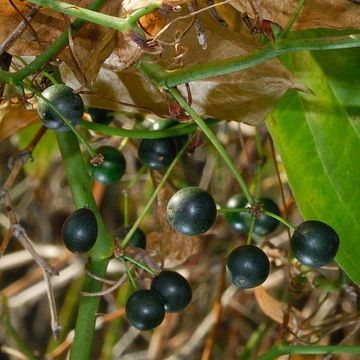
(249, 266)
(79, 231)
(157, 154)
(314, 243)
(191, 211)
(137, 239)
(240, 221)
(174, 289)
(100, 116)
(145, 309)
(169, 123)
(112, 168)
(63, 98)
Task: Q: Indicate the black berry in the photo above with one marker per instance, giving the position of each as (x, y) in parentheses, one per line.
(314, 243)
(191, 211)
(249, 266)
(157, 154)
(145, 309)
(79, 231)
(100, 116)
(137, 239)
(173, 289)
(63, 99)
(240, 221)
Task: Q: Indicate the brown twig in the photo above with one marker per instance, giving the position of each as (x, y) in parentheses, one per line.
(20, 28)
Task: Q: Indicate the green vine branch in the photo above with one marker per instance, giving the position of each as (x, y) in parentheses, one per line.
(169, 79)
(182, 129)
(112, 22)
(281, 349)
(214, 140)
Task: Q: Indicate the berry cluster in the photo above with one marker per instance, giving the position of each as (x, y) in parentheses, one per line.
(191, 211)
(169, 292)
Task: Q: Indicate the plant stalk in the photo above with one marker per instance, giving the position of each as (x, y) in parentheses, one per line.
(80, 185)
(278, 350)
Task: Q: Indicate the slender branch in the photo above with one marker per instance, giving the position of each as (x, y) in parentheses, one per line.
(214, 140)
(139, 264)
(281, 349)
(279, 218)
(233, 210)
(18, 30)
(293, 18)
(169, 79)
(112, 22)
(177, 130)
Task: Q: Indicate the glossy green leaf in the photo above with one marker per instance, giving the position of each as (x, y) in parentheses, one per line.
(318, 139)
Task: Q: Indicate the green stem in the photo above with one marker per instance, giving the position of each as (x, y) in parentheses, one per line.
(112, 22)
(214, 140)
(233, 210)
(281, 349)
(177, 130)
(88, 307)
(153, 196)
(139, 264)
(133, 181)
(49, 53)
(80, 185)
(126, 207)
(169, 79)
(279, 218)
(292, 19)
(251, 230)
(129, 274)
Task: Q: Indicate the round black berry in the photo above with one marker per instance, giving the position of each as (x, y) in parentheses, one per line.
(63, 99)
(240, 221)
(314, 243)
(79, 231)
(169, 123)
(100, 116)
(249, 266)
(137, 239)
(145, 309)
(157, 154)
(112, 168)
(191, 211)
(173, 289)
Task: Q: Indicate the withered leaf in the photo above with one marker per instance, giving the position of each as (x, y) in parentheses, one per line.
(14, 117)
(315, 14)
(246, 96)
(276, 309)
(92, 45)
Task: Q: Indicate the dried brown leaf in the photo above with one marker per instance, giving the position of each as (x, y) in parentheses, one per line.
(92, 45)
(315, 14)
(172, 247)
(14, 118)
(276, 309)
(246, 96)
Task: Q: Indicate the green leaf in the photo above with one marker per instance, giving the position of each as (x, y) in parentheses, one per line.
(318, 139)
(43, 153)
